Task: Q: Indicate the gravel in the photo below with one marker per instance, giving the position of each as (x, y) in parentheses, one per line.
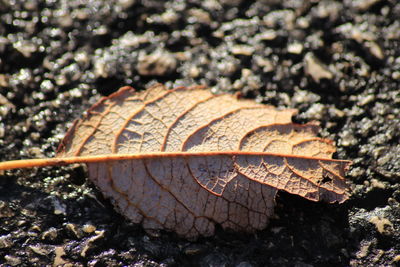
(336, 61)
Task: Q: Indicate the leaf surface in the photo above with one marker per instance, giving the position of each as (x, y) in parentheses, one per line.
(185, 159)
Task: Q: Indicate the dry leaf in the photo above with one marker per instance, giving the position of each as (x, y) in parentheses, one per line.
(185, 159)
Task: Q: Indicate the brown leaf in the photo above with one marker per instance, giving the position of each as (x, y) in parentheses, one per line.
(185, 159)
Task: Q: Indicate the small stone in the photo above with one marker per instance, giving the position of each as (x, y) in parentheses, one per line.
(383, 225)
(72, 228)
(50, 235)
(4, 102)
(295, 48)
(378, 255)
(36, 152)
(396, 259)
(379, 151)
(4, 80)
(354, 32)
(396, 75)
(375, 183)
(25, 48)
(356, 172)
(194, 72)
(304, 96)
(303, 22)
(12, 260)
(47, 86)
(39, 250)
(316, 69)
(265, 63)
(364, 250)
(159, 63)
(6, 241)
(384, 159)
(243, 50)
(267, 35)
(90, 241)
(5, 210)
(347, 138)
(366, 100)
(102, 69)
(246, 73)
(64, 18)
(227, 68)
(89, 228)
(58, 260)
(2, 131)
(366, 126)
(169, 17)
(193, 249)
(199, 16)
(125, 4)
(82, 58)
(285, 18)
(375, 49)
(59, 207)
(363, 5)
(315, 112)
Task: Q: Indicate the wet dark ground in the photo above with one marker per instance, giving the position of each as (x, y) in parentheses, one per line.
(337, 62)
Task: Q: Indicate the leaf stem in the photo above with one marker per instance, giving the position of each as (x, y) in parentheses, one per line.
(30, 163)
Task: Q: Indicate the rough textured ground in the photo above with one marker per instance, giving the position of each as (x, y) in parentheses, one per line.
(336, 61)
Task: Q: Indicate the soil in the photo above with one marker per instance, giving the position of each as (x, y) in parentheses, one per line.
(338, 62)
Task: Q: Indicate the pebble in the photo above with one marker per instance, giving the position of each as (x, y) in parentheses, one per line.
(315, 112)
(366, 126)
(375, 183)
(199, 16)
(284, 18)
(126, 4)
(194, 72)
(265, 63)
(88, 228)
(5, 241)
(59, 207)
(89, 242)
(5, 106)
(58, 259)
(267, 35)
(396, 259)
(363, 5)
(243, 50)
(4, 79)
(347, 138)
(194, 249)
(383, 225)
(159, 63)
(73, 228)
(304, 96)
(364, 250)
(25, 48)
(375, 49)
(50, 235)
(38, 249)
(12, 260)
(295, 48)
(316, 69)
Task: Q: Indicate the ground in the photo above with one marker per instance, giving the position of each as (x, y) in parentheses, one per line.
(337, 62)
